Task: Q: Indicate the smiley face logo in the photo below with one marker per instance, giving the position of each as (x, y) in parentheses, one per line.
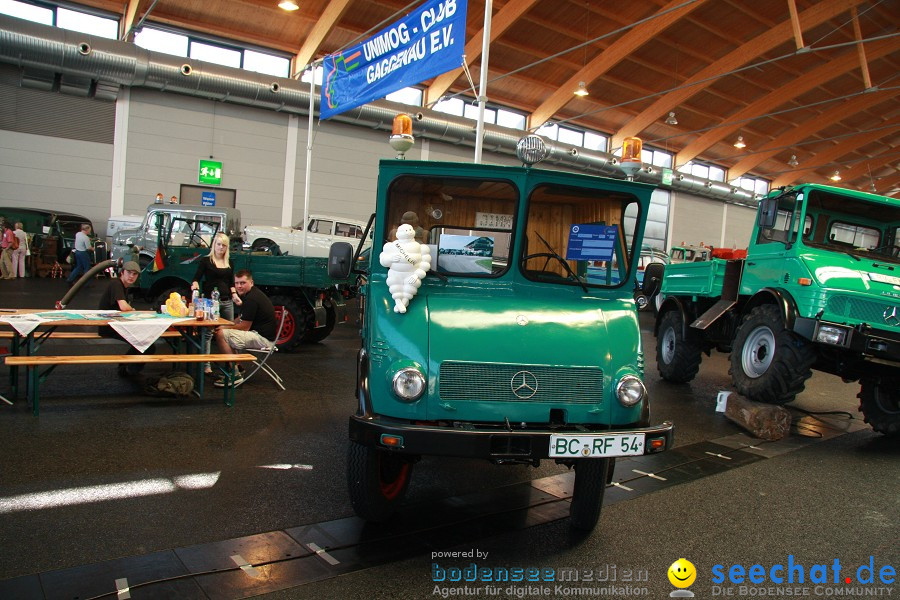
(682, 573)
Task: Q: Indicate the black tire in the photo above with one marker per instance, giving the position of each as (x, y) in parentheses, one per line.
(587, 497)
(377, 481)
(294, 323)
(879, 402)
(769, 363)
(262, 245)
(317, 334)
(678, 353)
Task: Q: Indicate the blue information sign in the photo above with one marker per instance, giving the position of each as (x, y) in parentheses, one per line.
(207, 198)
(591, 242)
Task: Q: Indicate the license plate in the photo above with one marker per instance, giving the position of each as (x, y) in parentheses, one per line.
(597, 446)
(884, 278)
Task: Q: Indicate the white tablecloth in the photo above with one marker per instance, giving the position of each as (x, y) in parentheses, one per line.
(138, 329)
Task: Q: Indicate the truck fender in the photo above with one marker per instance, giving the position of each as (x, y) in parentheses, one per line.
(362, 383)
(776, 296)
(671, 303)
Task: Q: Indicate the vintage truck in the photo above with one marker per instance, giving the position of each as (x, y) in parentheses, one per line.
(819, 289)
(314, 302)
(507, 352)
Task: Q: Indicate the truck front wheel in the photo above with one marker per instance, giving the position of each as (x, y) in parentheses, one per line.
(377, 481)
(587, 497)
(769, 363)
(294, 322)
(879, 402)
(677, 355)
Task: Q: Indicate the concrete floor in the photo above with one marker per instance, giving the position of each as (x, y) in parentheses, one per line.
(133, 475)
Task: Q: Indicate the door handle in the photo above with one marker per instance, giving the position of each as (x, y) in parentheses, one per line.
(750, 264)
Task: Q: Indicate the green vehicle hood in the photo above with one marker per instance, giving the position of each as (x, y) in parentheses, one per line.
(834, 270)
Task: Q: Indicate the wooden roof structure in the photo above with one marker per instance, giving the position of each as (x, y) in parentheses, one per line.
(817, 80)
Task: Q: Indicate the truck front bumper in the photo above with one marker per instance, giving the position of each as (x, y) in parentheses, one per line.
(486, 440)
(861, 340)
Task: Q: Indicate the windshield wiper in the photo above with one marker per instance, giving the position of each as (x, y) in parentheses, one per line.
(563, 262)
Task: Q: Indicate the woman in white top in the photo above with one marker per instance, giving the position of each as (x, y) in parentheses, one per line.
(18, 257)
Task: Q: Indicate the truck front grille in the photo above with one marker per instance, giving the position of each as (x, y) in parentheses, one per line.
(866, 311)
(486, 382)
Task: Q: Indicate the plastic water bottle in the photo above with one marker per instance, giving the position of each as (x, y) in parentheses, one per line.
(194, 296)
(215, 303)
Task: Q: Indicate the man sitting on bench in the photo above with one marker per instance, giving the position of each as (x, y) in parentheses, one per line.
(254, 329)
(116, 298)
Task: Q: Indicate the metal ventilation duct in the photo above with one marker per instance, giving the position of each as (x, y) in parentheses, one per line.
(80, 64)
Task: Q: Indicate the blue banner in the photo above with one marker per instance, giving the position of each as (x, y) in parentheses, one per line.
(425, 43)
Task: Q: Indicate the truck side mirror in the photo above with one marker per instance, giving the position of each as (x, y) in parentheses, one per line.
(340, 260)
(768, 212)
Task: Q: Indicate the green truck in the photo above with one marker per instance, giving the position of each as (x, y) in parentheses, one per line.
(299, 285)
(506, 351)
(819, 289)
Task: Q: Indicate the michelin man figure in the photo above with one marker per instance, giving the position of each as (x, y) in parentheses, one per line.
(408, 261)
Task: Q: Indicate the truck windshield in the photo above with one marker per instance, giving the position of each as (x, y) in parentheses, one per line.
(578, 236)
(468, 223)
(862, 229)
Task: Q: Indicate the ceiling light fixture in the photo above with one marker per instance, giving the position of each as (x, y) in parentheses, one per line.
(740, 142)
(671, 120)
(793, 162)
(836, 176)
(288, 5)
(581, 90)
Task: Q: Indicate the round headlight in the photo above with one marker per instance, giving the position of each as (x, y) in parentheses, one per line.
(630, 390)
(409, 384)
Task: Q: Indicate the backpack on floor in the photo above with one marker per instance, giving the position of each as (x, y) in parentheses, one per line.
(177, 384)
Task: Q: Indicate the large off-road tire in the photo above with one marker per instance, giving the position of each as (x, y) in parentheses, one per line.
(879, 402)
(678, 353)
(769, 363)
(294, 323)
(377, 481)
(317, 334)
(587, 497)
(182, 290)
(263, 245)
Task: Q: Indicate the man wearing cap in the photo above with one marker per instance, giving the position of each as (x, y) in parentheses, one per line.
(116, 298)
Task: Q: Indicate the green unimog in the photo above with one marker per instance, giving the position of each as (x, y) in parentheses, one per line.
(819, 289)
(507, 351)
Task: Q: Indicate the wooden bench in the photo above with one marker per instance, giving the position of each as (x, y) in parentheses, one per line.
(33, 363)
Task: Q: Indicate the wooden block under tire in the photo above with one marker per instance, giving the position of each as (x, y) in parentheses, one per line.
(765, 421)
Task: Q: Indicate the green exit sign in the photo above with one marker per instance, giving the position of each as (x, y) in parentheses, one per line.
(667, 176)
(210, 172)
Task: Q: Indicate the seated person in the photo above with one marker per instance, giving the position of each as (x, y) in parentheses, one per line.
(409, 218)
(116, 298)
(255, 329)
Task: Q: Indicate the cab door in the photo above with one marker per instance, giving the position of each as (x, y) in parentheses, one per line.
(765, 264)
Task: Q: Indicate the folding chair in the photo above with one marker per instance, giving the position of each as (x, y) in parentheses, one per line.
(262, 356)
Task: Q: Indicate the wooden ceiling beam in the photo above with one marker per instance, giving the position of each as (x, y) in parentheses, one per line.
(831, 155)
(812, 79)
(325, 24)
(813, 16)
(864, 168)
(613, 55)
(500, 22)
(801, 131)
(127, 22)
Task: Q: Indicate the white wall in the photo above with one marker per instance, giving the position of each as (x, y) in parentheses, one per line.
(57, 174)
(167, 135)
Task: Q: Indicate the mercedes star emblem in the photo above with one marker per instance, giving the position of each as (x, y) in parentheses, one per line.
(524, 385)
(522, 320)
(890, 316)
